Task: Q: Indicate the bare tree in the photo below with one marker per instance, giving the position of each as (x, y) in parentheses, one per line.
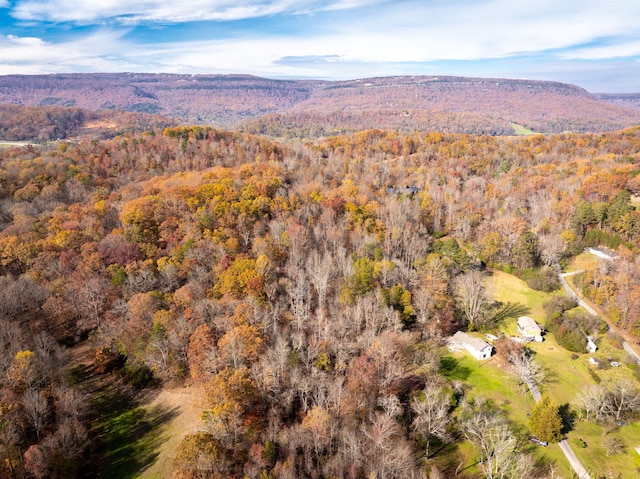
(432, 418)
(472, 296)
(36, 407)
(623, 399)
(388, 454)
(496, 444)
(529, 372)
(320, 271)
(608, 403)
(592, 403)
(551, 250)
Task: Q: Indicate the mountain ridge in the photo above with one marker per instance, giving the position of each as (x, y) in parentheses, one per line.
(460, 104)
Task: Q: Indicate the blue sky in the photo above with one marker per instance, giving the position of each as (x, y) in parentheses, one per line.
(594, 44)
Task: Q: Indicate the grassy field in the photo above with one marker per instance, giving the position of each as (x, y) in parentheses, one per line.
(584, 261)
(10, 144)
(507, 288)
(522, 130)
(594, 456)
(129, 434)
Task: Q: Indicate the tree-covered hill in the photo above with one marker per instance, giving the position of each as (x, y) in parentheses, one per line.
(297, 107)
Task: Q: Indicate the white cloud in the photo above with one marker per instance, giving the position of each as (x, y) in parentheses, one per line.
(132, 12)
(606, 52)
(31, 55)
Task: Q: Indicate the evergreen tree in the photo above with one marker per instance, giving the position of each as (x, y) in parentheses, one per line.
(545, 421)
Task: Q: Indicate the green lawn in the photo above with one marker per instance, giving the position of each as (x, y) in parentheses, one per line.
(593, 456)
(507, 288)
(522, 130)
(129, 435)
(489, 380)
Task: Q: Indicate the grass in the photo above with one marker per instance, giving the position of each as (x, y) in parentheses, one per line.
(509, 289)
(566, 377)
(127, 436)
(489, 380)
(522, 130)
(594, 457)
(583, 262)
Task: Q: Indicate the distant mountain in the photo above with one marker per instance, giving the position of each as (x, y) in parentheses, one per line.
(312, 108)
(627, 100)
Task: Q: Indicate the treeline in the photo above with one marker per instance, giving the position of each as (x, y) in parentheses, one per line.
(308, 301)
(316, 124)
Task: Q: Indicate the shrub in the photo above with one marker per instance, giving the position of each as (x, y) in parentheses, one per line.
(614, 340)
(543, 280)
(579, 443)
(612, 445)
(594, 376)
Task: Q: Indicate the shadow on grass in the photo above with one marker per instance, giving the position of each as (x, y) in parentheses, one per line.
(452, 369)
(504, 311)
(127, 436)
(568, 418)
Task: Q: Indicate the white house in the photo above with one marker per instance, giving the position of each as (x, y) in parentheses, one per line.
(529, 329)
(591, 346)
(475, 346)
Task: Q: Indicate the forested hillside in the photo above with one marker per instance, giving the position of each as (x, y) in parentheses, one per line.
(300, 284)
(55, 122)
(318, 107)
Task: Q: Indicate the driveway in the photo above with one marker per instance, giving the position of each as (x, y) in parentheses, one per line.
(591, 310)
(573, 460)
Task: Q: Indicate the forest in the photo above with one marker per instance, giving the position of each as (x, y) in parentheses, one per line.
(299, 286)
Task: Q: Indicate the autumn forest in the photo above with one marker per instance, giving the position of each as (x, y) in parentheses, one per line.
(306, 286)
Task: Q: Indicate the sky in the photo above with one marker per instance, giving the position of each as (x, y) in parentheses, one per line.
(593, 44)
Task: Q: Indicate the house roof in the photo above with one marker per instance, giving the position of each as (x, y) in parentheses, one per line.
(466, 339)
(525, 322)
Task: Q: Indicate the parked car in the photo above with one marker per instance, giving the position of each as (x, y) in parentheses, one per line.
(538, 441)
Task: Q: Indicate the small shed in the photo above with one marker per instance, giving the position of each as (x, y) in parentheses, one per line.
(478, 348)
(529, 329)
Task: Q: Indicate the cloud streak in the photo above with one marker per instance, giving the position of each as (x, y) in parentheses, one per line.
(144, 11)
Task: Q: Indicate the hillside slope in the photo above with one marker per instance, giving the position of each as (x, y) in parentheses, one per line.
(455, 104)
